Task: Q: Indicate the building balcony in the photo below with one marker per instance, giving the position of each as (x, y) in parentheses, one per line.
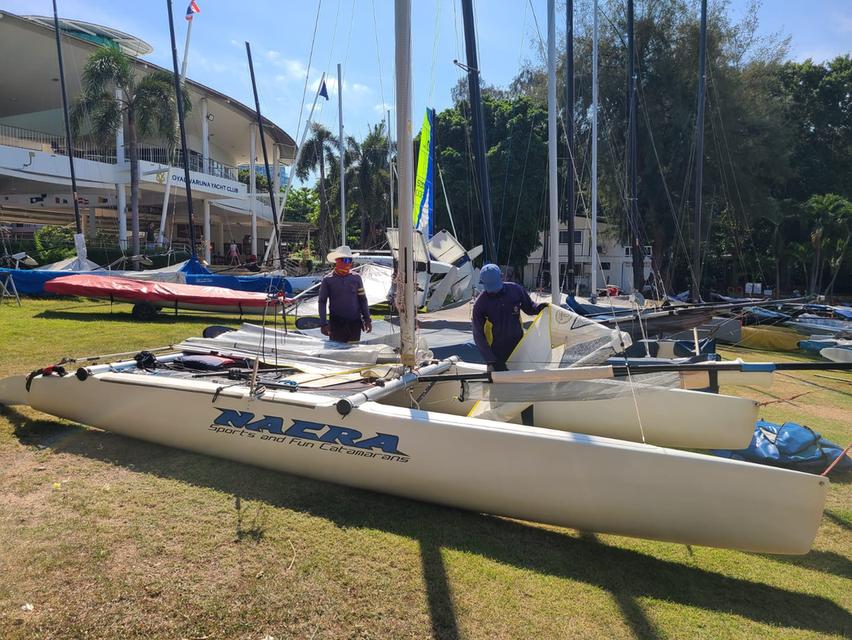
(49, 143)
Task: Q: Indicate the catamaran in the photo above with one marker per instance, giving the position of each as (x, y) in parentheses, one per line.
(444, 431)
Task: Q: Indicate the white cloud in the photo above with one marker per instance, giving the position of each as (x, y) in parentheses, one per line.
(292, 69)
(383, 107)
(330, 84)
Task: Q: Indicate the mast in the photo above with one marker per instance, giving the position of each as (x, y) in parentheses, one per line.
(637, 254)
(405, 162)
(185, 153)
(593, 249)
(342, 147)
(186, 51)
(552, 180)
(69, 139)
(269, 185)
(390, 167)
(569, 134)
(478, 131)
(699, 155)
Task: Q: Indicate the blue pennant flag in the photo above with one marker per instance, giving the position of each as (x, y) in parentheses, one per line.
(323, 90)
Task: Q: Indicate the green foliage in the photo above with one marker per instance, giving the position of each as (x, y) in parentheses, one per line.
(819, 114)
(260, 181)
(318, 155)
(368, 185)
(54, 243)
(776, 133)
(147, 106)
(302, 205)
(830, 221)
(516, 139)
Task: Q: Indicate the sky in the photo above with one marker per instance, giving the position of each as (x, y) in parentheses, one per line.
(359, 35)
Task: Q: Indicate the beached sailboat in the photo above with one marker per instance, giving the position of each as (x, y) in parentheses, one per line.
(360, 416)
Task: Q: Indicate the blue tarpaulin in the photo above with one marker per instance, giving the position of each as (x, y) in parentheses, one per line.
(31, 281)
(790, 445)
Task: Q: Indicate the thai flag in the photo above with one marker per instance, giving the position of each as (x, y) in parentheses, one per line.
(192, 8)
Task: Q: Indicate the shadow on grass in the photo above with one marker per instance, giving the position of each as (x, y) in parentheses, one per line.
(839, 520)
(161, 318)
(628, 575)
(823, 561)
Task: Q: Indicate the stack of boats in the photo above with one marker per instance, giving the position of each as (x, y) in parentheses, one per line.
(446, 275)
(789, 327)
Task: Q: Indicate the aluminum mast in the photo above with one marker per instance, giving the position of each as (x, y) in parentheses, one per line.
(405, 162)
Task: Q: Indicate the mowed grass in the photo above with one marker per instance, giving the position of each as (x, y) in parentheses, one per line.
(109, 537)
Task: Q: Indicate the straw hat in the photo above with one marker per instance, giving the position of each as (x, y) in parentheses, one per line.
(343, 251)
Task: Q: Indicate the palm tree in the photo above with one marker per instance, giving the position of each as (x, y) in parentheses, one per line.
(829, 214)
(371, 181)
(320, 148)
(146, 104)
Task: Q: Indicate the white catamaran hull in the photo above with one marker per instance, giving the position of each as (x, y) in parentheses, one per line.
(580, 481)
(665, 417)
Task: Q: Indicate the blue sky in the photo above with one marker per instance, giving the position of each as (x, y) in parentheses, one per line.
(359, 34)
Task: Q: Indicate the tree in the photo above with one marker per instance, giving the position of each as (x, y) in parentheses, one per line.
(830, 218)
(54, 243)
(244, 176)
(370, 182)
(320, 148)
(516, 135)
(747, 139)
(819, 114)
(146, 105)
(302, 205)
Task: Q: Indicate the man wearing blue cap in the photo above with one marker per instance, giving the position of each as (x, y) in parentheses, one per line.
(501, 305)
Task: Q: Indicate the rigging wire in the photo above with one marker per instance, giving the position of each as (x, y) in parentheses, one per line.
(379, 61)
(308, 70)
(435, 42)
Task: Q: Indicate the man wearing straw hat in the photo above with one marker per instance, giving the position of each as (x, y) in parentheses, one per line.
(343, 292)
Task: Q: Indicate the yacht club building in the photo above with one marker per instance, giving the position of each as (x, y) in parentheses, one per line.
(34, 171)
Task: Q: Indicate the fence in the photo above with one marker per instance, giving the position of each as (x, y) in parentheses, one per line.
(49, 143)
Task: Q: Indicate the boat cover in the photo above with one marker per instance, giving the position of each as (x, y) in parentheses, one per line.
(817, 343)
(792, 446)
(252, 340)
(32, 281)
(156, 293)
(837, 354)
(770, 337)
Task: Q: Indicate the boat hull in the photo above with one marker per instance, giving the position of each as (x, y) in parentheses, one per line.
(665, 417)
(579, 481)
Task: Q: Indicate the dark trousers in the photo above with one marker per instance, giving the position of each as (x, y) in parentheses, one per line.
(342, 330)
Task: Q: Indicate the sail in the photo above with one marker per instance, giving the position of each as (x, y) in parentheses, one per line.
(424, 194)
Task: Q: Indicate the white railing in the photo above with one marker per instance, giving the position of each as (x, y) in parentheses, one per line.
(48, 143)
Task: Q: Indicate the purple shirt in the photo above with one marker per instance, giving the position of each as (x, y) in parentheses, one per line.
(345, 297)
(503, 310)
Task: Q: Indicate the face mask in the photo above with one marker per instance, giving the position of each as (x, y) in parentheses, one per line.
(342, 266)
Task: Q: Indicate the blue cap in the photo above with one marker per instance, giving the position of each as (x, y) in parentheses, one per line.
(491, 278)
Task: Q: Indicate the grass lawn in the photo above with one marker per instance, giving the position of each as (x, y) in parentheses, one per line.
(109, 537)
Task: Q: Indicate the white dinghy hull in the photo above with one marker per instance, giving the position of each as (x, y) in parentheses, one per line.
(566, 479)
